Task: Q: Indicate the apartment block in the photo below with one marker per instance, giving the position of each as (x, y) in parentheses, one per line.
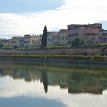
(4, 43)
(62, 37)
(103, 36)
(51, 38)
(88, 33)
(30, 41)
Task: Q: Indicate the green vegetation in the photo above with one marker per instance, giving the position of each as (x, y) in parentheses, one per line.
(69, 57)
(78, 42)
(44, 38)
(58, 47)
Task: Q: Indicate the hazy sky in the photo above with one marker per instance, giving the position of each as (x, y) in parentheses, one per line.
(18, 17)
(21, 6)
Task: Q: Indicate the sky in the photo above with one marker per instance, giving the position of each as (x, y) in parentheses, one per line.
(19, 17)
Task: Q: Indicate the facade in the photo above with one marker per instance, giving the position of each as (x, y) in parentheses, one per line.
(62, 37)
(58, 38)
(15, 41)
(35, 41)
(27, 41)
(4, 43)
(51, 39)
(92, 26)
(103, 36)
(10, 43)
(31, 41)
(88, 33)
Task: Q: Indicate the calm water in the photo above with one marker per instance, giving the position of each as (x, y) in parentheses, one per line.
(49, 85)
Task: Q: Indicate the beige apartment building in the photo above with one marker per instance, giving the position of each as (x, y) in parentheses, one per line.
(27, 41)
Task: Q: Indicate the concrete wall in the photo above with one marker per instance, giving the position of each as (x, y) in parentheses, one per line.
(67, 51)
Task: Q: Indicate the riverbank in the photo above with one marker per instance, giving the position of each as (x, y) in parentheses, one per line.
(95, 50)
(79, 59)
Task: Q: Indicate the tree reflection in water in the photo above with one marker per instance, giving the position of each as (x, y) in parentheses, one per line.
(45, 81)
(76, 80)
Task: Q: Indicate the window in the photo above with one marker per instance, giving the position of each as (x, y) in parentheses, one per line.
(104, 34)
(62, 38)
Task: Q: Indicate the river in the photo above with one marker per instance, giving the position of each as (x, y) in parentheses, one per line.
(52, 85)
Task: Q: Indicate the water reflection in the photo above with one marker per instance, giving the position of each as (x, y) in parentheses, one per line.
(75, 80)
(45, 80)
(29, 102)
(31, 85)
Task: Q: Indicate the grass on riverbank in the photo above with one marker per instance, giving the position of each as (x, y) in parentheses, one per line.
(70, 57)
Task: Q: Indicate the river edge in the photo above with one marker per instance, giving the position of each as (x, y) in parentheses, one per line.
(70, 59)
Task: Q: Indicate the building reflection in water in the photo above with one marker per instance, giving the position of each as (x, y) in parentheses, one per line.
(85, 84)
(74, 82)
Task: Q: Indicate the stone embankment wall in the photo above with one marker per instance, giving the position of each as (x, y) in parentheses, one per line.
(66, 51)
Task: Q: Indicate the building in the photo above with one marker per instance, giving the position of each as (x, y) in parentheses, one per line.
(58, 38)
(15, 41)
(5, 43)
(88, 33)
(51, 39)
(34, 41)
(103, 36)
(62, 37)
(27, 41)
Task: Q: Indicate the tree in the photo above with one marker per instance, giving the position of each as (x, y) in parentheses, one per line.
(77, 42)
(90, 42)
(44, 38)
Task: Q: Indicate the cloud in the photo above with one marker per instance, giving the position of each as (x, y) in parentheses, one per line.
(31, 23)
(86, 11)
(71, 12)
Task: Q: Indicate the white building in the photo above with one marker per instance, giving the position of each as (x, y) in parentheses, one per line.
(62, 38)
(51, 41)
(16, 41)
